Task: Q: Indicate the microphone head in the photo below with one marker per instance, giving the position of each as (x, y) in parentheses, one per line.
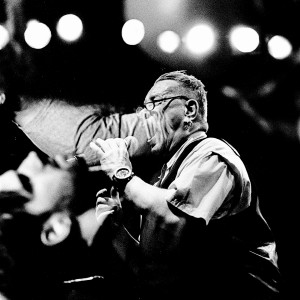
(132, 144)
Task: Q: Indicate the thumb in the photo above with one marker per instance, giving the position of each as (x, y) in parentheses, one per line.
(115, 196)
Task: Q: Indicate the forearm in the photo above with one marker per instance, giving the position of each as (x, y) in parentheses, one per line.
(162, 226)
(162, 223)
(148, 198)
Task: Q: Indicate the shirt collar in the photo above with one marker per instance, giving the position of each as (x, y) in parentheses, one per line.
(195, 136)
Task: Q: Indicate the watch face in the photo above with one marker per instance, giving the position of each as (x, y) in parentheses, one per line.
(123, 173)
(121, 177)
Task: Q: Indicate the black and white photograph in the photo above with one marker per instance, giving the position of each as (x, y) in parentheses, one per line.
(149, 149)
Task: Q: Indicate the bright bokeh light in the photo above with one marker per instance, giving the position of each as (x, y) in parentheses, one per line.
(168, 41)
(69, 28)
(200, 39)
(37, 35)
(4, 37)
(244, 39)
(279, 47)
(133, 32)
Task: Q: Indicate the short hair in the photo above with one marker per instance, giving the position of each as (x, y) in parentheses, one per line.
(192, 83)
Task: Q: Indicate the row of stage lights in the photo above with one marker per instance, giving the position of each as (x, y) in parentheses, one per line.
(199, 40)
(202, 39)
(38, 35)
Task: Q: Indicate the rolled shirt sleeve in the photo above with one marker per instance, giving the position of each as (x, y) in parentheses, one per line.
(207, 181)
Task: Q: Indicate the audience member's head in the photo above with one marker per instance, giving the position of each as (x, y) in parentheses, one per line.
(41, 240)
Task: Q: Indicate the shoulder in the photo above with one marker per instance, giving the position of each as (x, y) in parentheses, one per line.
(211, 145)
(217, 145)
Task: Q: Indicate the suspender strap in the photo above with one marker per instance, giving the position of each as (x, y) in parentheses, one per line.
(173, 171)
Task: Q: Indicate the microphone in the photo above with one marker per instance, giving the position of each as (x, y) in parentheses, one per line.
(75, 158)
(132, 144)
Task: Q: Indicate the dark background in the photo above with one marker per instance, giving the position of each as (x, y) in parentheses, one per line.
(101, 68)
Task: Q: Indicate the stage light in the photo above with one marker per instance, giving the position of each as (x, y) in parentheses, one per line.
(279, 47)
(4, 37)
(244, 39)
(37, 35)
(168, 41)
(133, 32)
(200, 39)
(69, 28)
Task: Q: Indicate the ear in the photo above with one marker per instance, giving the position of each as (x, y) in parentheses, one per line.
(56, 229)
(191, 109)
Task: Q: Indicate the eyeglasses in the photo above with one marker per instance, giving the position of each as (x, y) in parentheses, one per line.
(151, 104)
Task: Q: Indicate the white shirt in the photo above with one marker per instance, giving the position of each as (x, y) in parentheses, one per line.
(207, 178)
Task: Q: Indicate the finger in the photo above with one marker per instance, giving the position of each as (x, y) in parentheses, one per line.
(105, 145)
(101, 201)
(96, 148)
(124, 145)
(97, 145)
(114, 192)
(117, 145)
(121, 144)
(115, 196)
(101, 192)
(103, 204)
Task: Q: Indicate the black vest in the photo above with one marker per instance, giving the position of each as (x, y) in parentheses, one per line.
(221, 259)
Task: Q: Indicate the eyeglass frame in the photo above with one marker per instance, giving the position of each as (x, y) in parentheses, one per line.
(144, 106)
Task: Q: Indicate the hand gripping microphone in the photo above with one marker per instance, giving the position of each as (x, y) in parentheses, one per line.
(131, 143)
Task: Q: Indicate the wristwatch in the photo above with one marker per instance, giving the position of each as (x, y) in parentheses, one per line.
(121, 177)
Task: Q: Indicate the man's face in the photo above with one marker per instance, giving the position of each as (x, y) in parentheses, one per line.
(164, 123)
(48, 183)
